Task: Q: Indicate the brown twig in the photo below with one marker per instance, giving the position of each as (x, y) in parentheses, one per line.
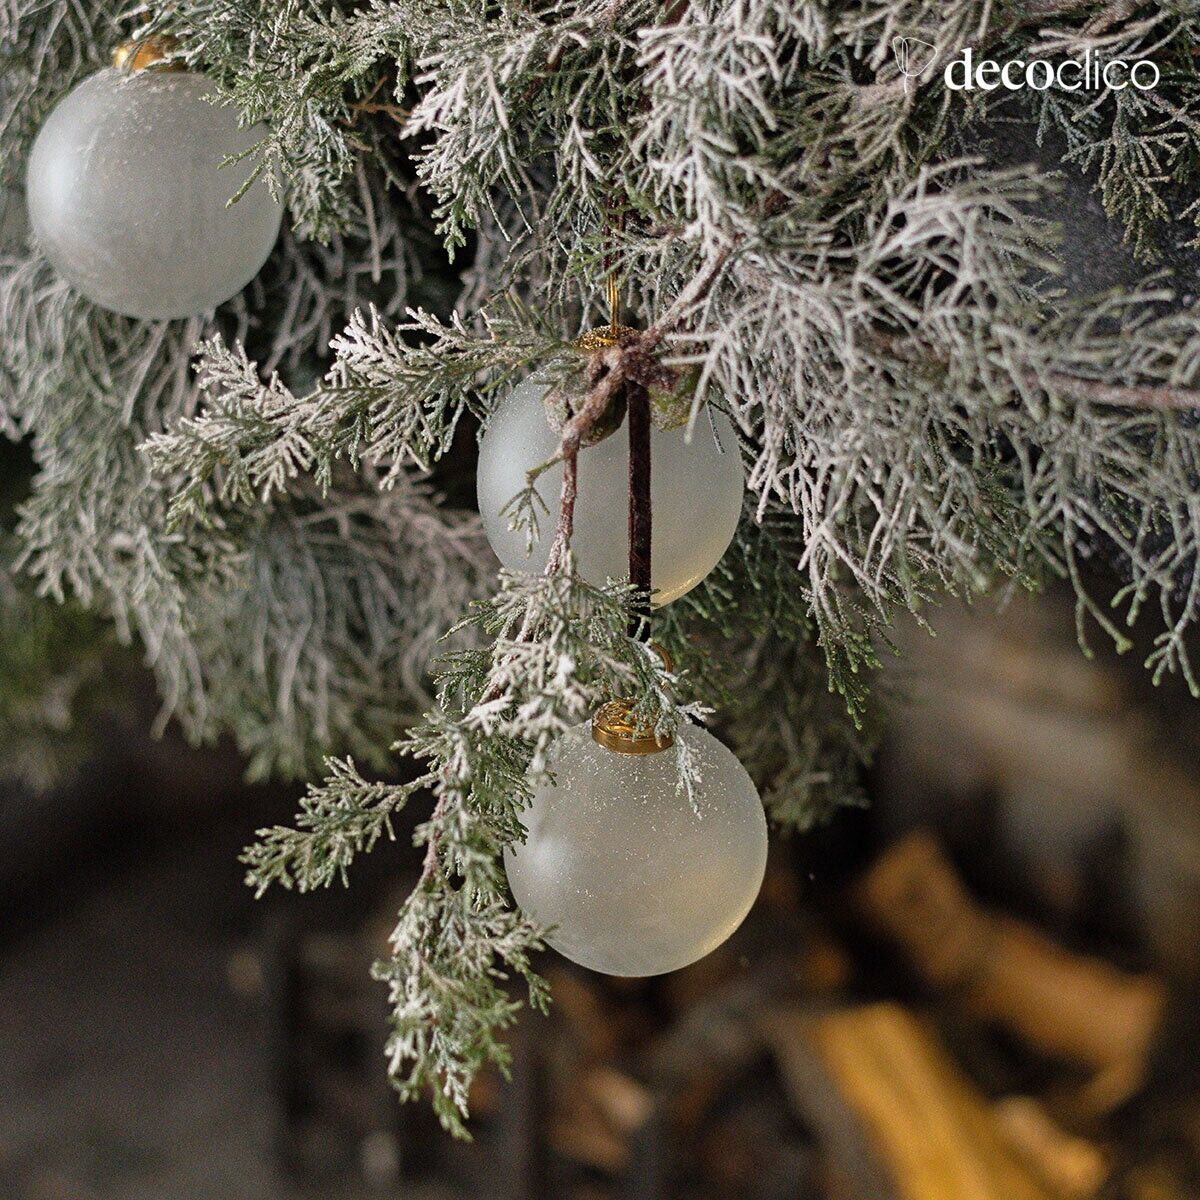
(565, 527)
(1136, 395)
(1152, 396)
(631, 361)
(575, 430)
(368, 104)
(695, 291)
(429, 866)
(397, 114)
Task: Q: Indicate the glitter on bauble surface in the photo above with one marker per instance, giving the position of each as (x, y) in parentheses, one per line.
(128, 199)
(633, 879)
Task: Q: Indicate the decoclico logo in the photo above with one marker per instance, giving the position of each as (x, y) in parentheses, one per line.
(1092, 73)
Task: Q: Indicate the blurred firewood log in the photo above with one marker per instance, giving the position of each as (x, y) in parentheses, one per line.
(598, 1118)
(1076, 1167)
(1000, 970)
(719, 1124)
(596, 1108)
(920, 1123)
(1157, 1181)
(604, 1033)
(892, 1116)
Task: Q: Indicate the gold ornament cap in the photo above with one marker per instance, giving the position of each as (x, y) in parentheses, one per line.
(150, 52)
(602, 337)
(615, 728)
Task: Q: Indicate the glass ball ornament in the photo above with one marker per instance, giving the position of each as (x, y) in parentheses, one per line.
(696, 487)
(631, 877)
(128, 200)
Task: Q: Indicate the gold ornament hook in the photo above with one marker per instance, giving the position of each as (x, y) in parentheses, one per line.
(667, 661)
(614, 333)
(146, 53)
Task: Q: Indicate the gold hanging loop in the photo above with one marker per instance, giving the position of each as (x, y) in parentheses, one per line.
(665, 655)
(142, 54)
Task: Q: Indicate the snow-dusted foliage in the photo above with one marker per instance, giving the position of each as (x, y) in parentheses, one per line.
(813, 238)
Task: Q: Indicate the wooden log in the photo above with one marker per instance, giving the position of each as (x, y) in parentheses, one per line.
(704, 1062)
(1074, 1166)
(595, 1112)
(932, 1134)
(598, 1120)
(1066, 1006)
(1157, 1181)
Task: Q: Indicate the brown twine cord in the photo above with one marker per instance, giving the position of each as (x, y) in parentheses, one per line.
(640, 522)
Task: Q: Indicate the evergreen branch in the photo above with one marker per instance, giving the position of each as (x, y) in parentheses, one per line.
(338, 819)
(306, 70)
(560, 648)
(384, 401)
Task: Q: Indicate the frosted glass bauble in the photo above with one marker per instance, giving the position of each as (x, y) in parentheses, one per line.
(128, 199)
(634, 879)
(695, 494)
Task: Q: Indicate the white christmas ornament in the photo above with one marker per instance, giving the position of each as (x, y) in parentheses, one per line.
(632, 878)
(128, 200)
(696, 494)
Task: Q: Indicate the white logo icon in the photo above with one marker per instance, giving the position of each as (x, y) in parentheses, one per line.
(913, 56)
